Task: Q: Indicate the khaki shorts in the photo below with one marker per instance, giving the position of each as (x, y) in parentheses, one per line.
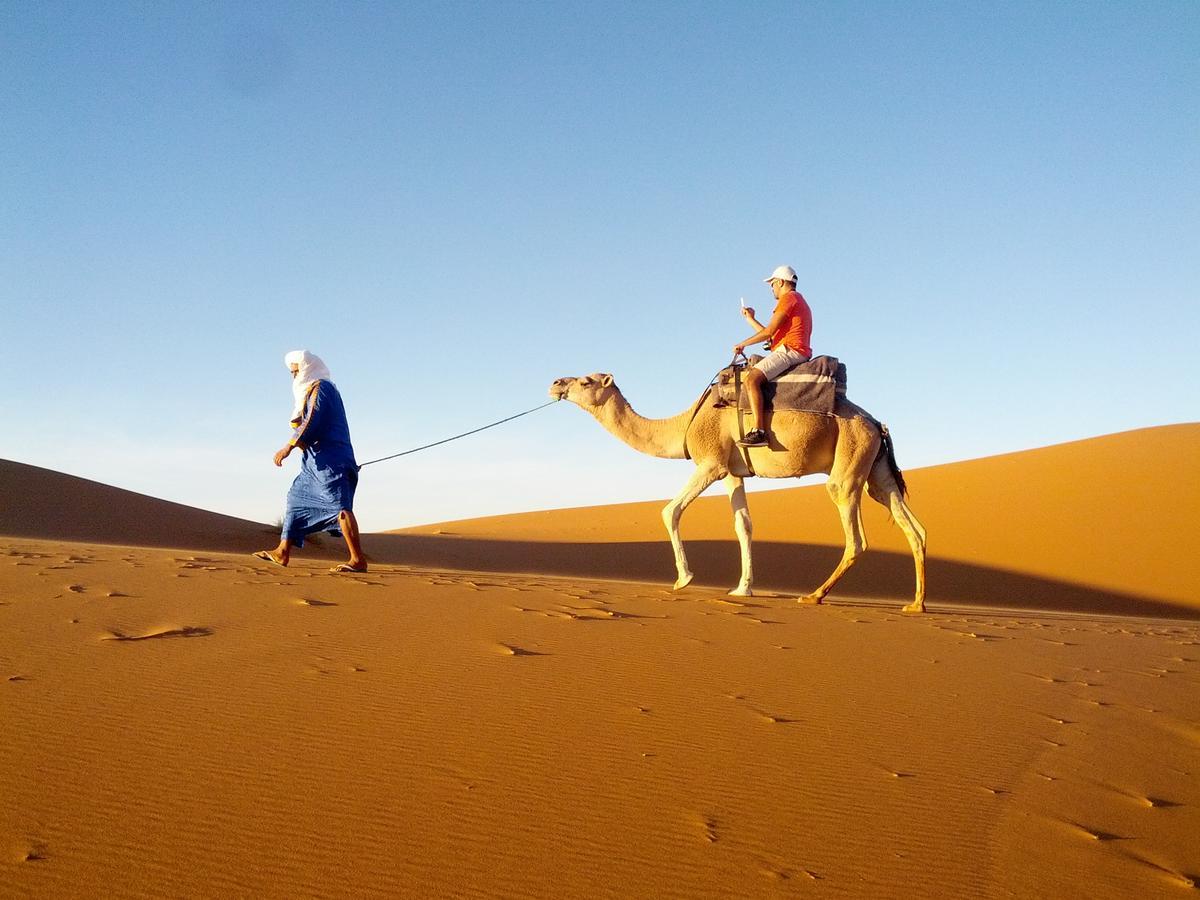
(779, 361)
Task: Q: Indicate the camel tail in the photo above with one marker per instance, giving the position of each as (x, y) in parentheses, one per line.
(890, 449)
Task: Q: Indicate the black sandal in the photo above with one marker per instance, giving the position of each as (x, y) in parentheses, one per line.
(754, 438)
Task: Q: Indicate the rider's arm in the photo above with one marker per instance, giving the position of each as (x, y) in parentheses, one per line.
(750, 318)
(764, 334)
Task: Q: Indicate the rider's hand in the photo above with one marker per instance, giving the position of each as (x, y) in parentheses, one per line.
(282, 454)
(738, 348)
(748, 312)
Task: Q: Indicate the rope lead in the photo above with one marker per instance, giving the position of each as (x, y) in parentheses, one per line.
(457, 436)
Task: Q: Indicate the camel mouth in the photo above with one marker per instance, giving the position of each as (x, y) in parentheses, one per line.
(558, 390)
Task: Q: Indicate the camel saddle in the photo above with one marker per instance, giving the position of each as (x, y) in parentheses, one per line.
(813, 386)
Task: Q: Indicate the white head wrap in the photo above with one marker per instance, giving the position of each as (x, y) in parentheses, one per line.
(311, 369)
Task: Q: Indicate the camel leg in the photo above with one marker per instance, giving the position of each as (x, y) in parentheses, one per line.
(883, 488)
(847, 494)
(744, 529)
(673, 511)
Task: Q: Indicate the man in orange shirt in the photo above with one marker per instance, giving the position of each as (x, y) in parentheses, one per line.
(789, 333)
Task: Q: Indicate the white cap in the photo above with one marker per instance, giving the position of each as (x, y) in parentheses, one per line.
(783, 273)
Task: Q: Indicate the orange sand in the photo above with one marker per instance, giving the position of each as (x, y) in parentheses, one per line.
(184, 722)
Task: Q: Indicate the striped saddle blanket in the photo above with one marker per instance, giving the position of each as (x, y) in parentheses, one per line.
(813, 386)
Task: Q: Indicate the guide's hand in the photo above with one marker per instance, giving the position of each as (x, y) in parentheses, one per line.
(282, 454)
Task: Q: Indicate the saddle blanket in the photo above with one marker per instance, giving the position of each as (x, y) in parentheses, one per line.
(813, 386)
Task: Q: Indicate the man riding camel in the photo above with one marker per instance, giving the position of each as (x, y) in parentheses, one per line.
(789, 334)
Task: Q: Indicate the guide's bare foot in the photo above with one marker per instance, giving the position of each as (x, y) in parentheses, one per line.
(341, 568)
(268, 556)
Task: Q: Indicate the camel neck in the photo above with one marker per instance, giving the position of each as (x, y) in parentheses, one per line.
(658, 437)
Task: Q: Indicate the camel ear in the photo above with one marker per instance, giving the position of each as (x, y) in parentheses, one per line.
(606, 380)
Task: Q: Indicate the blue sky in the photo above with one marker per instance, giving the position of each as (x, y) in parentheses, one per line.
(993, 209)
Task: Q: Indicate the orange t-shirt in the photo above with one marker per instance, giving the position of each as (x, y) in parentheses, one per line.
(796, 330)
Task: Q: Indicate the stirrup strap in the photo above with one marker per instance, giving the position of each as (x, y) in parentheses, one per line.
(737, 393)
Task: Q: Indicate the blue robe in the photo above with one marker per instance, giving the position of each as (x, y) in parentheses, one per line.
(328, 470)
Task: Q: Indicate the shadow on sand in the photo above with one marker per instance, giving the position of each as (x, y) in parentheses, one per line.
(790, 568)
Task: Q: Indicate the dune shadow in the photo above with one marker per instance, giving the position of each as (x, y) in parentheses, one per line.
(787, 568)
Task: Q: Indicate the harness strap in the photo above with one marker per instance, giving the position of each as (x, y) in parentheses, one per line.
(737, 392)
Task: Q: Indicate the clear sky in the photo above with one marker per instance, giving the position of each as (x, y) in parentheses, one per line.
(993, 209)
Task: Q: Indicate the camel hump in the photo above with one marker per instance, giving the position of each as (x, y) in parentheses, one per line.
(814, 386)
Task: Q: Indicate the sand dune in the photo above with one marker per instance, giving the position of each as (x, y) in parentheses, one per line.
(1105, 524)
(41, 503)
(192, 722)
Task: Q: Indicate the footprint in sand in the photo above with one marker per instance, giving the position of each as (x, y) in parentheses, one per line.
(1055, 719)
(1049, 679)
(1180, 878)
(598, 614)
(776, 720)
(187, 631)
(1094, 834)
(710, 827)
(782, 873)
(36, 853)
(513, 650)
(750, 617)
(772, 718)
(1146, 800)
(76, 588)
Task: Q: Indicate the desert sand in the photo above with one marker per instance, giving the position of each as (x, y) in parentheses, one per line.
(182, 720)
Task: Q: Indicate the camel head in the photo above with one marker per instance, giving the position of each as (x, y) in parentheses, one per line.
(588, 391)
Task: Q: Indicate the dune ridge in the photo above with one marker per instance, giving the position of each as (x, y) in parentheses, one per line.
(47, 505)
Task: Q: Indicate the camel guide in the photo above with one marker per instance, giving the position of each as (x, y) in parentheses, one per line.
(322, 496)
(789, 333)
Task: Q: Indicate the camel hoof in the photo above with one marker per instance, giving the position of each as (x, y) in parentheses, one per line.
(684, 581)
(915, 608)
(740, 591)
(809, 600)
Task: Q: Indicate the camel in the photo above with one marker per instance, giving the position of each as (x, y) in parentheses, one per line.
(851, 447)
